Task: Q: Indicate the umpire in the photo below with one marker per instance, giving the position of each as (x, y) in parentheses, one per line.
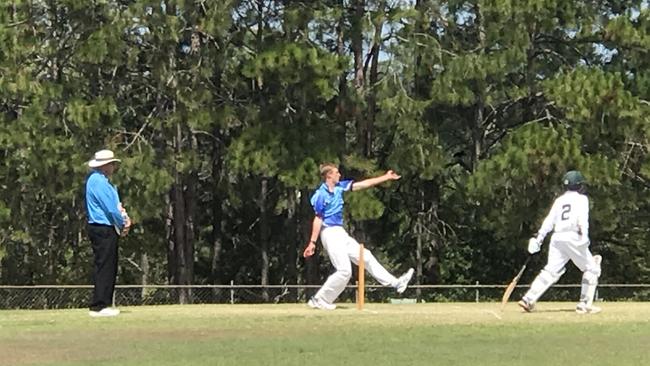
(107, 220)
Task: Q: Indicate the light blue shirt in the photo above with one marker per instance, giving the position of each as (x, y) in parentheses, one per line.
(329, 205)
(102, 201)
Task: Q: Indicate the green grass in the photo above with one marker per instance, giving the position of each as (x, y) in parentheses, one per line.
(383, 334)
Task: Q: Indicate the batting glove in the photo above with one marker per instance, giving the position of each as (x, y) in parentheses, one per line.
(534, 245)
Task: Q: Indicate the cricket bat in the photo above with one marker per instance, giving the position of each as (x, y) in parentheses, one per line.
(513, 284)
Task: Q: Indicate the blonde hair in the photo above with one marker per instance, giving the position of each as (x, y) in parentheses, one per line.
(326, 168)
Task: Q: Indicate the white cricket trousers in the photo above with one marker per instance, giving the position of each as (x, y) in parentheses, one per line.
(341, 249)
(560, 252)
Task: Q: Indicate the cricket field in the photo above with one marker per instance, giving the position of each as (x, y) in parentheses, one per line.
(381, 334)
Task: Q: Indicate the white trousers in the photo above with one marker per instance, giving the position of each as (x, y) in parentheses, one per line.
(560, 252)
(342, 249)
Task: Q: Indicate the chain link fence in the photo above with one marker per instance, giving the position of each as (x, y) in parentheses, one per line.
(78, 296)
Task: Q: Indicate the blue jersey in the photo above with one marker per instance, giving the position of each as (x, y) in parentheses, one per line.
(102, 201)
(329, 205)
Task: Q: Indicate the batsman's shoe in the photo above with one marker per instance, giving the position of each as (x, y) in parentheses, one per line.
(403, 281)
(318, 303)
(582, 308)
(526, 306)
(105, 312)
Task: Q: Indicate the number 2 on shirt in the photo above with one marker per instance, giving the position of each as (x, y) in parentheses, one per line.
(566, 209)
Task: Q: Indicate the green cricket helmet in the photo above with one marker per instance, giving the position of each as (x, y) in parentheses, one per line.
(573, 180)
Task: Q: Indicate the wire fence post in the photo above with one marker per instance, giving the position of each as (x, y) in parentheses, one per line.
(477, 294)
(232, 292)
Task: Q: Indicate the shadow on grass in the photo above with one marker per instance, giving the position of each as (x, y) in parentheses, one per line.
(555, 311)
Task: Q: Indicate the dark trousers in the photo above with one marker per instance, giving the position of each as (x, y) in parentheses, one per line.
(104, 241)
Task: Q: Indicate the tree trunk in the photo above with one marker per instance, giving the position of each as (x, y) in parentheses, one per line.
(477, 131)
(178, 204)
(368, 129)
(478, 135)
(312, 264)
(421, 83)
(183, 203)
(51, 256)
(13, 11)
(529, 111)
(169, 237)
(293, 236)
(264, 238)
(217, 225)
(144, 279)
(217, 214)
(342, 105)
(357, 43)
(421, 92)
(360, 122)
(218, 153)
(359, 77)
(418, 250)
(217, 218)
(190, 182)
(431, 266)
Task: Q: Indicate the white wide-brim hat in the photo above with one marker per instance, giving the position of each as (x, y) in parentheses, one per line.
(102, 157)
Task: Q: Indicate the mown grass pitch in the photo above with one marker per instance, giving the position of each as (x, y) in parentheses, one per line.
(382, 334)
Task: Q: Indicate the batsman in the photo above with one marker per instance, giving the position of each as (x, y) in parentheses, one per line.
(342, 249)
(569, 221)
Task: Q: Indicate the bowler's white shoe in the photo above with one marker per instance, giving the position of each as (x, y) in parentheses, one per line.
(105, 312)
(582, 308)
(403, 281)
(317, 303)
